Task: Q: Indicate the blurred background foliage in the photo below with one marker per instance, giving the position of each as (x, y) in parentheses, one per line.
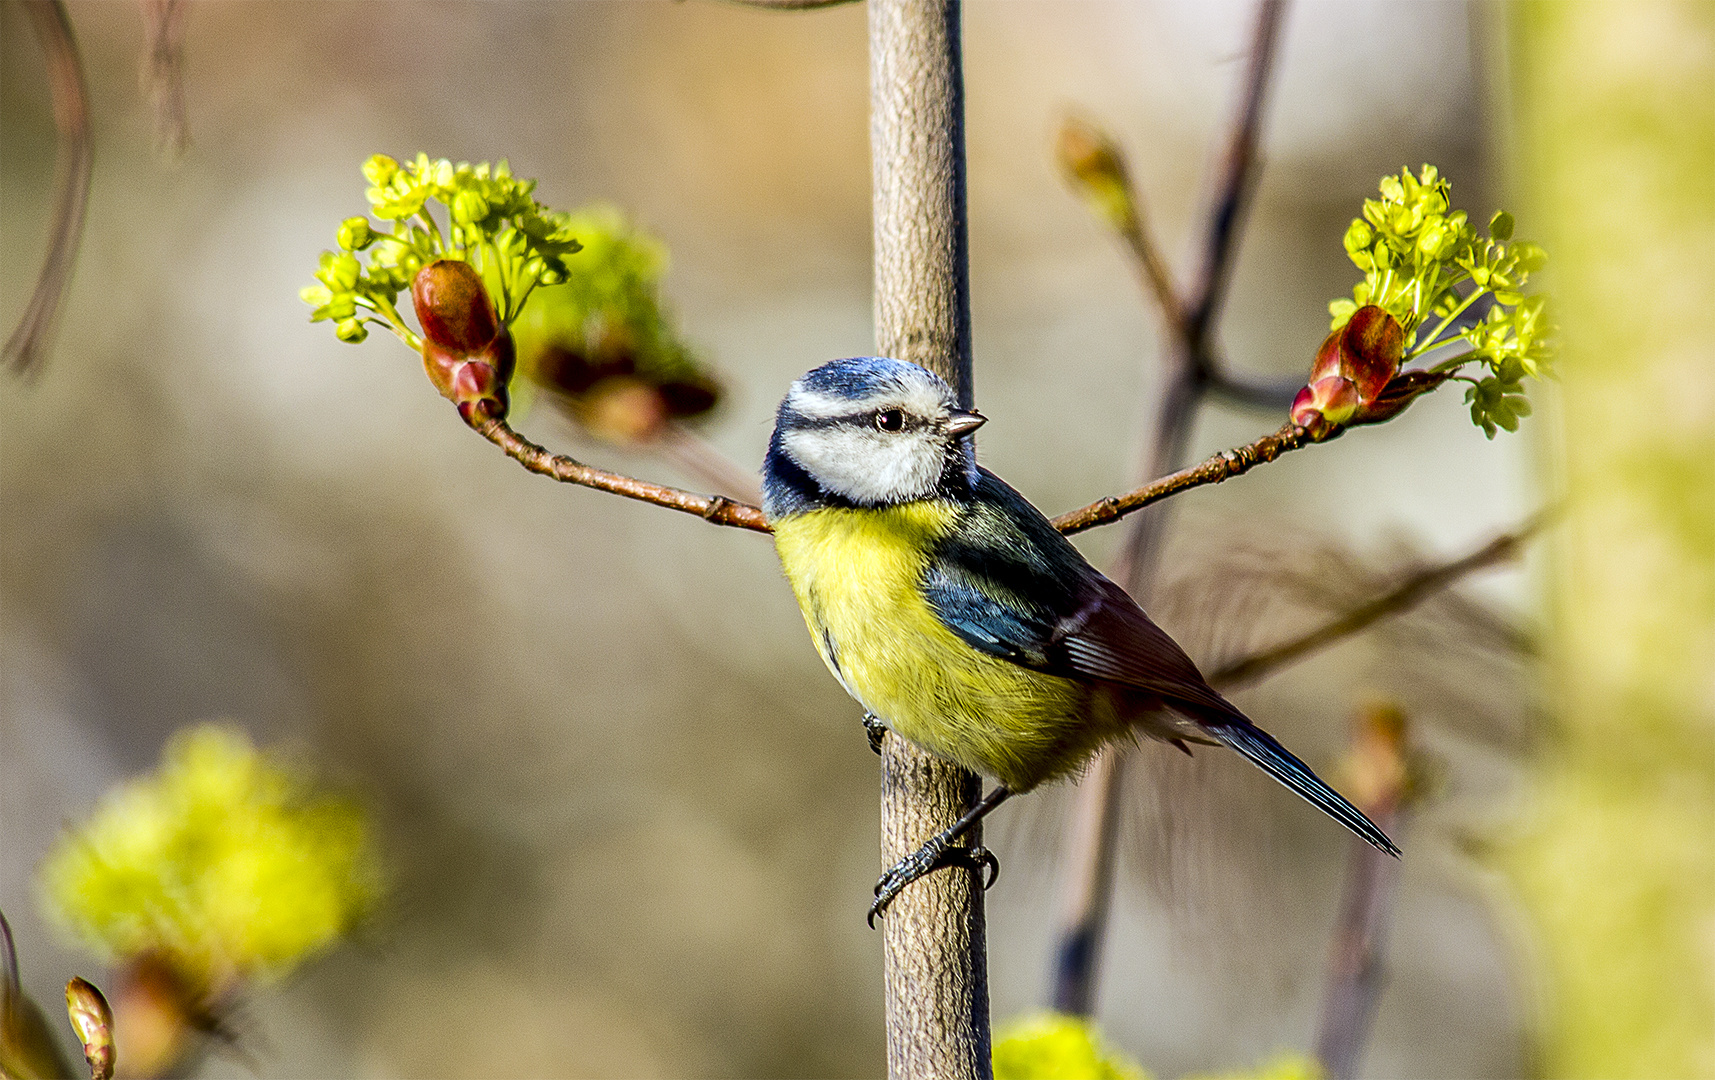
(629, 821)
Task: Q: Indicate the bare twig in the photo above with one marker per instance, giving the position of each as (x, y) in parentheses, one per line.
(704, 461)
(1238, 175)
(715, 509)
(1222, 466)
(1382, 787)
(791, 5)
(28, 345)
(1192, 372)
(1407, 594)
(164, 72)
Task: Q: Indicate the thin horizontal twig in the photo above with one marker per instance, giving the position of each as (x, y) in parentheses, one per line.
(715, 509)
(1407, 594)
(791, 5)
(1222, 466)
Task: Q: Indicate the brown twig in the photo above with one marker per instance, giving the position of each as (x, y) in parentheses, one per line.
(1192, 372)
(791, 5)
(164, 72)
(1407, 594)
(28, 345)
(716, 509)
(1382, 784)
(1238, 175)
(1222, 466)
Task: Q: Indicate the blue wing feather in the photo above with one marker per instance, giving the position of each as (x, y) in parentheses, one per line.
(1007, 583)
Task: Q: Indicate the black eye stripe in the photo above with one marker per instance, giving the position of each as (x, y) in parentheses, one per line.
(865, 419)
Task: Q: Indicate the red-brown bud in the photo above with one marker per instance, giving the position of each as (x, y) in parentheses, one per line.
(1325, 405)
(467, 353)
(453, 306)
(1352, 370)
(1401, 391)
(1372, 343)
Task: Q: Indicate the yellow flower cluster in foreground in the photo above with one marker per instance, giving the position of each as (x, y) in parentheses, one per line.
(225, 860)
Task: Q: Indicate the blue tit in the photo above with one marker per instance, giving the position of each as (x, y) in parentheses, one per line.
(952, 610)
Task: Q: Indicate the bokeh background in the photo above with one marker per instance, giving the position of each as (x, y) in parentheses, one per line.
(631, 821)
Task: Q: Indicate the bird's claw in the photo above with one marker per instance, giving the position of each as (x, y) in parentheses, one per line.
(876, 729)
(926, 861)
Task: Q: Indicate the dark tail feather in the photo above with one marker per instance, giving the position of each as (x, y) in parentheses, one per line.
(1278, 762)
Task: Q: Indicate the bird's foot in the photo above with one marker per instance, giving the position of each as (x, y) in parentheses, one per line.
(935, 855)
(876, 729)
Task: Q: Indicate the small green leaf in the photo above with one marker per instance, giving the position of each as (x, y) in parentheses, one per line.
(1501, 226)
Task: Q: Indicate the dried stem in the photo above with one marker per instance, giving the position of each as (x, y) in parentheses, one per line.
(715, 509)
(1407, 594)
(74, 159)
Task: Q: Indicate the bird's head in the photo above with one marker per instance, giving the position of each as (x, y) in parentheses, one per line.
(873, 432)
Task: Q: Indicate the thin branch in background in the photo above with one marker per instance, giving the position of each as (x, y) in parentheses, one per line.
(691, 452)
(1409, 593)
(715, 509)
(1191, 372)
(791, 5)
(1379, 777)
(1239, 172)
(28, 346)
(163, 73)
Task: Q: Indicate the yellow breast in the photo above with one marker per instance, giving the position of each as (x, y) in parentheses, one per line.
(856, 574)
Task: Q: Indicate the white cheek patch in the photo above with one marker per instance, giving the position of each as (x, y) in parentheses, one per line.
(867, 466)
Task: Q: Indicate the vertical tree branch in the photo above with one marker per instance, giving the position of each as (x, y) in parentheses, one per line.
(1188, 375)
(933, 933)
(73, 162)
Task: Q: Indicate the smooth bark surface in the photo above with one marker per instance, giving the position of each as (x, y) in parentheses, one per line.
(936, 964)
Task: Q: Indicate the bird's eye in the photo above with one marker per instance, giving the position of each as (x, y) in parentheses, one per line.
(890, 420)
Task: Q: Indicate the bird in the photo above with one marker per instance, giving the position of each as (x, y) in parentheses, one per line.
(956, 614)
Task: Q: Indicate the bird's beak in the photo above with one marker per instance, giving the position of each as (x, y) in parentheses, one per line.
(965, 421)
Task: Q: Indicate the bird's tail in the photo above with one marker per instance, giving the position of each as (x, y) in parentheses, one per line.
(1232, 729)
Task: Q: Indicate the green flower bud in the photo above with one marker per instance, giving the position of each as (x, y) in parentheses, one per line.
(343, 272)
(1358, 235)
(380, 169)
(315, 295)
(469, 207)
(351, 331)
(354, 234)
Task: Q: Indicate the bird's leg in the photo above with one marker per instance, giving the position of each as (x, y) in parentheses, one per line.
(940, 852)
(876, 728)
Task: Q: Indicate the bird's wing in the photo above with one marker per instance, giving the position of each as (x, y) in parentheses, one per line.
(1010, 585)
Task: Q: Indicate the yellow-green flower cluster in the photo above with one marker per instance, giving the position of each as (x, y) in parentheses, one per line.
(493, 222)
(1287, 1065)
(225, 860)
(1055, 1046)
(612, 291)
(1423, 260)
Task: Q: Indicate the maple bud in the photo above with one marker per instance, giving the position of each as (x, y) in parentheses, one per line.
(93, 1022)
(467, 353)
